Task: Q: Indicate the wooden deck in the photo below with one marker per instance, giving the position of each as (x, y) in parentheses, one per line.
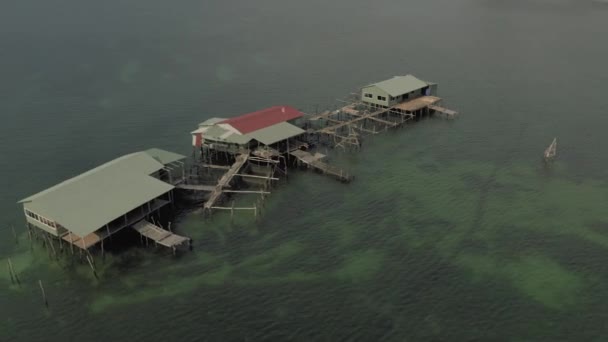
(240, 161)
(159, 235)
(314, 161)
(94, 238)
(442, 110)
(417, 103)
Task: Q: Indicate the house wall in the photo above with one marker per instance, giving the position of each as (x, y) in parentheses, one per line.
(44, 223)
(375, 92)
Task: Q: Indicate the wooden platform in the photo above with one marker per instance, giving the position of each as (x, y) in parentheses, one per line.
(94, 238)
(314, 161)
(445, 111)
(240, 161)
(417, 103)
(159, 235)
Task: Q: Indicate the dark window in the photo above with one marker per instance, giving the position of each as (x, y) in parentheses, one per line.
(368, 95)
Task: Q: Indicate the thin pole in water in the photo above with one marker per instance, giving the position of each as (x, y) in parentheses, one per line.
(46, 303)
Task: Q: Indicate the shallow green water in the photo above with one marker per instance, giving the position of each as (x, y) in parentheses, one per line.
(451, 231)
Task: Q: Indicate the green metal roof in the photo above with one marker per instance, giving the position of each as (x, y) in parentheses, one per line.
(276, 133)
(400, 85)
(165, 157)
(88, 202)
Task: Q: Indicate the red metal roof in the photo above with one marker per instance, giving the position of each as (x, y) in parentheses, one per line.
(250, 122)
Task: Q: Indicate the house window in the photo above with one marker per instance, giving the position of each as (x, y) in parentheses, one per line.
(405, 96)
(382, 98)
(368, 95)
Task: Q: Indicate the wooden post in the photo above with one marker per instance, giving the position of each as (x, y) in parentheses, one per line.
(71, 243)
(89, 259)
(102, 251)
(232, 211)
(46, 303)
(50, 242)
(29, 234)
(255, 211)
(169, 227)
(15, 234)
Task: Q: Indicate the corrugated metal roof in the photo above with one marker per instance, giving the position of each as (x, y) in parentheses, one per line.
(88, 202)
(217, 133)
(211, 121)
(263, 118)
(400, 85)
(165, 157)
(276, 133)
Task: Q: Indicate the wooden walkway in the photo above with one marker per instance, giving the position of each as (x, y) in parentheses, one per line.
(241, 159)
(332, 129)
(315, 162)
(450, 113)
(159, 235)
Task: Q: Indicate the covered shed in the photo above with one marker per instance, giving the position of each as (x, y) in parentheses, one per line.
(265, 127)
(396, 90)
(88, 208)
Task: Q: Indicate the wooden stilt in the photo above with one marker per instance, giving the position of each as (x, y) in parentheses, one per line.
(71, 243)
(50, 242)
(232, 211)
(90, 260)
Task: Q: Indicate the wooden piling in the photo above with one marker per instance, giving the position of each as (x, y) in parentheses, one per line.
(46, 303)
(89, 259)
(50, 242)
(232, 211)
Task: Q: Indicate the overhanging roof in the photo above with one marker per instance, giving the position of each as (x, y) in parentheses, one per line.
(276, 133)
(260, 119)
(210, 122)
(219, 134)
(400, 85)
(165, 157)
(89, 201)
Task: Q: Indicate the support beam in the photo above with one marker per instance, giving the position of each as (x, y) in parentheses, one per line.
(247, 191)
(254, 176)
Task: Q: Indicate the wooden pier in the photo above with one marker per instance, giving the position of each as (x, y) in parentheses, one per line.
(344, 124)
(448, 112)
(159, 235)
(240, 161)
(314, 161)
